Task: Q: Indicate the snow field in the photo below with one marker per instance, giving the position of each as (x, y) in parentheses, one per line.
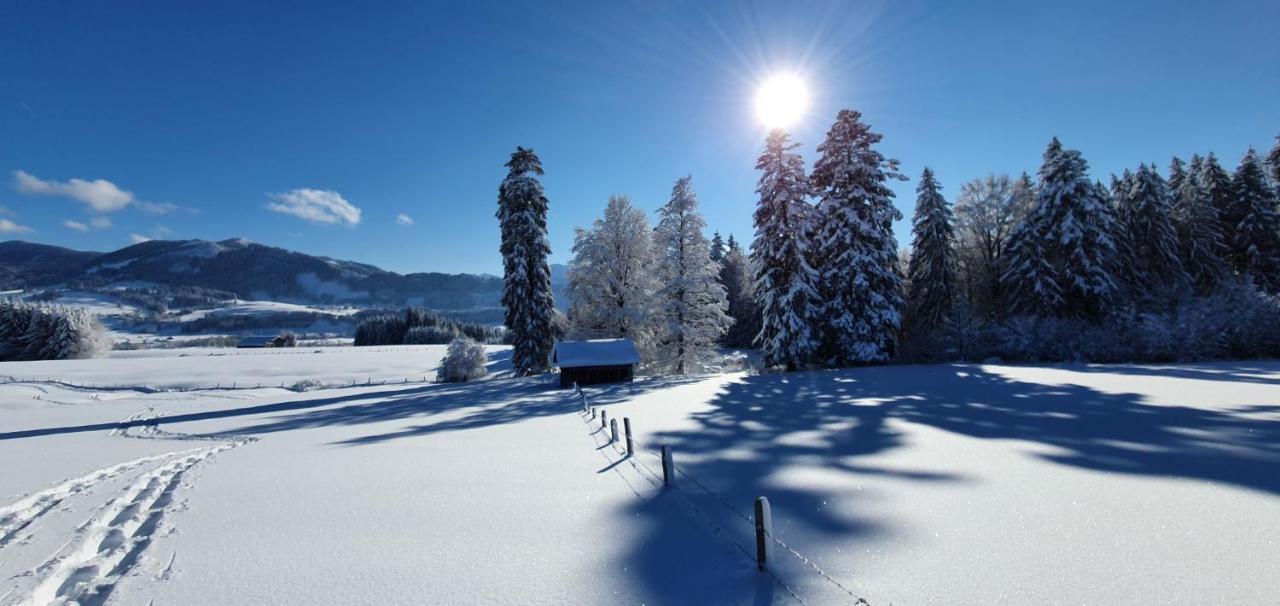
(950, 484)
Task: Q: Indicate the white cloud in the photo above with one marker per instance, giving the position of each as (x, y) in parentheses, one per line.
(139, 238)
(161, 231)
(101, 195)
(76, 225)
(317, 206)
(403, 219)
(100, 222)
(9, 227)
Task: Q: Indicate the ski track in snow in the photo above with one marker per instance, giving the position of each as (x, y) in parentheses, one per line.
(114, 539)
(19, 515)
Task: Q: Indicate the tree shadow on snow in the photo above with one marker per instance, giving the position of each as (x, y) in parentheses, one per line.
(759, 426)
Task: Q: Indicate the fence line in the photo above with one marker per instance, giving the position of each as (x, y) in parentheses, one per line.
(858, 600)
(234, 386)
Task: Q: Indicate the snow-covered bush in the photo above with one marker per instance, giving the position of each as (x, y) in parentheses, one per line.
(290, 339)
(39, 332)
(464, 361)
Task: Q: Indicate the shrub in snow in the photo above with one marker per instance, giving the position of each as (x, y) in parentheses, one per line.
(290, 339)
(306, 385)
(464, 361)
(39, 332)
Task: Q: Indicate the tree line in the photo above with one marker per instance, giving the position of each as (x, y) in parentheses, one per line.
(1059, 267)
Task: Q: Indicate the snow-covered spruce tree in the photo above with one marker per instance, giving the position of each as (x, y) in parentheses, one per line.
(465, 360)
(738, 279)
(1150, 255)
(1177, 173)
(1256, 243)
(1029, 283)
(690, 306)
(932, 270)
(526, 295)
(717, 248)
(611, 277)
(1199, 231)
(785, 282)
(1061, 262)
(1215, 185)
(860, 282)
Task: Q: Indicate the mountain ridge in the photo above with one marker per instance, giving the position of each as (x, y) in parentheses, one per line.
(249, 269)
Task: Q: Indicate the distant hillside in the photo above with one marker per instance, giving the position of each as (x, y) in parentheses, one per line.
(248, 269)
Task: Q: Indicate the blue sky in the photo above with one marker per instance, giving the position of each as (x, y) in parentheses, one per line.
(200, 118)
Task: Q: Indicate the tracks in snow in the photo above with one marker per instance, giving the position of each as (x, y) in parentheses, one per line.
(111, 542)
(19, 515)
(103, 549)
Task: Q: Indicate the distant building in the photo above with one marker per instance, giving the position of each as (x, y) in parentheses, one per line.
(596, 361)
(261, 341)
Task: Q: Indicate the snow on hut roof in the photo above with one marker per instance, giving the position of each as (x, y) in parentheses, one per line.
(258, 340)
(596, 352)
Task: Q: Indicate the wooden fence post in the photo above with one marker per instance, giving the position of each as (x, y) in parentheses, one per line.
(626, 426)
(764, 530)
(613, 431)
(668, 466)
(604, 419)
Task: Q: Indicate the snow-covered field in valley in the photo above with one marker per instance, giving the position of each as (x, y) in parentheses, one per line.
(948, 484)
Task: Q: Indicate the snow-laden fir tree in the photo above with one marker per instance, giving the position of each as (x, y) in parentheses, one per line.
(785, 283)
(717, 248)
(1255, 245)
(738, 279)
(1200, 238)
(690, 306)
(1150, 259)
(530, 309)
(1060, 263)
(1215, 185)
(1177, 173)
(932, 270)
(611, 277)
(860, 282)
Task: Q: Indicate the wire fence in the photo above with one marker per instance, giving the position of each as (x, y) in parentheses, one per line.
(300, 385)
(657, 481)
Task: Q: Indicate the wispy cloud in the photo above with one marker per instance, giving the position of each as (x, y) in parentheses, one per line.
(9, 227)
(403, 219)
(161, 231)
(317, 206)
(100, 194)
(94, 223)
(163, 208)
(139, 238)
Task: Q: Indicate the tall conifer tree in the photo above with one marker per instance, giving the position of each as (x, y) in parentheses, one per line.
(786, 284)
(862, 286)
(530, 308)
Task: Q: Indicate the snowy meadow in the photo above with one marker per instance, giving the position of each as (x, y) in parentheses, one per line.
(945, 484)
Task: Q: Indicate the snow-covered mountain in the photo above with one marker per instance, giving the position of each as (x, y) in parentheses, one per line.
(248, 269)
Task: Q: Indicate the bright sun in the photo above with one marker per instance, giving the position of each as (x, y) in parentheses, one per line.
(781, 100)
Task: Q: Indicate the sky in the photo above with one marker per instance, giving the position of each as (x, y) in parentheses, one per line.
(377, 132)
